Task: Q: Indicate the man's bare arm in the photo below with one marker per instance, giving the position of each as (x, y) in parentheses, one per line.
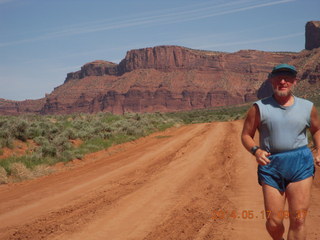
(250, 127)
(315, 132)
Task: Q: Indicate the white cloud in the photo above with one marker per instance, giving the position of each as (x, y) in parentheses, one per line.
(170, 16)
(250, 41)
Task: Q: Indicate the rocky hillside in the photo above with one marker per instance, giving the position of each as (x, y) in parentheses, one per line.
(172, 78)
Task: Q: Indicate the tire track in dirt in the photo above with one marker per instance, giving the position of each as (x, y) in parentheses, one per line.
(103, 160)
(201, 194)
(138, 213)
(313, 218)
(97, 190)
(247, 212)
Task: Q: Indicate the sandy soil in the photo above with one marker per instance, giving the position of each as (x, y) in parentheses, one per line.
(20, 148)
(192, 182)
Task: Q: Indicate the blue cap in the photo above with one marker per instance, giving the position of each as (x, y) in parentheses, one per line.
(285, 69)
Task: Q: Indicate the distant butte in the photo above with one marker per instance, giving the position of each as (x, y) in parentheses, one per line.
(312, 35)
(174, 78)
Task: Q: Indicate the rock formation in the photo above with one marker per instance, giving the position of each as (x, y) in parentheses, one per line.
(96, 68)
(164, 78)
(312, 35)
(172, 78)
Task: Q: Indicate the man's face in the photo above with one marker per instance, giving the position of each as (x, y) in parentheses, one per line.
(283, 85)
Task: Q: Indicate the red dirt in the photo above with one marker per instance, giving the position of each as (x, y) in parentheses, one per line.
(165, 186)
(76, 142)
(19, 149)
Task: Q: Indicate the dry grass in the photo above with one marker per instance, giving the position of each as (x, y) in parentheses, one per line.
(41, 170)
(3, 176)
(20, 172)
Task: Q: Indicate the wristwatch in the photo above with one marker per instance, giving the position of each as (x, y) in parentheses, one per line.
(254, 149)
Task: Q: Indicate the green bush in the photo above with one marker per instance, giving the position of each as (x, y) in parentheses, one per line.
(40, 140)
(66, 156)
(70, 133)
(61, 143)
(35, 131)
(6, 142)
(21, 129)
(5, 133)
(47, 150)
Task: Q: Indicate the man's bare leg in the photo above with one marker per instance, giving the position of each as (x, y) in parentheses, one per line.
(274, 202)
(298, 194)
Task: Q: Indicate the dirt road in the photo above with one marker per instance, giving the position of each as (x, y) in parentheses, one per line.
(192, 182)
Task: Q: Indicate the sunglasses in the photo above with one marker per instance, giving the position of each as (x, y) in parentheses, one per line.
(285, 78)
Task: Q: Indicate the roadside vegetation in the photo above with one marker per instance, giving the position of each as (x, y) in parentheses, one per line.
(61, 138)
(54, 137)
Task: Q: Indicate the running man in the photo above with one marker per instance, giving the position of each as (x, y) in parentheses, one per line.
(285, 163)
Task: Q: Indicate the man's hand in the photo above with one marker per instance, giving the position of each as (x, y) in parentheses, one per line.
(315, 132)
(262, 157)
(317, 158)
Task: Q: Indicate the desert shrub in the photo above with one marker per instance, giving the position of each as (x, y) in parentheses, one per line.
(110, 118)
(80, 124)
(70, 133)
(66, 156)
(35, 159)
(78, 155)
(130, 129)
(87, 133)
(29, 160)
(52, 131)
(100, 126)
(101, 129)
(1, 144)
(48, 150)
(44, 126)
(61, 143)
(34, 131)
(82, 134)
(3, 122)
(5, 133)
(19, 130)
(105, 135)
(3, 176)
(6, 142)
(134, 116)
(20, 172)
(40, 140)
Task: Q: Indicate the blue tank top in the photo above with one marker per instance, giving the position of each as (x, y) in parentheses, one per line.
(283, 128)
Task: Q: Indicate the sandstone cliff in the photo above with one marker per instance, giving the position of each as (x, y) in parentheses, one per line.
(164, 78)
(171, 78)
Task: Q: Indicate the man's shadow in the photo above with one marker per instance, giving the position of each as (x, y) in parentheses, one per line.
(265, 89)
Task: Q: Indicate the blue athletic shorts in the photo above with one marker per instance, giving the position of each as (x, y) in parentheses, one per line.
(287, 167)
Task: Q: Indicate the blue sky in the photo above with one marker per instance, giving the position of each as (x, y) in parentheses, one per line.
(42, 40)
